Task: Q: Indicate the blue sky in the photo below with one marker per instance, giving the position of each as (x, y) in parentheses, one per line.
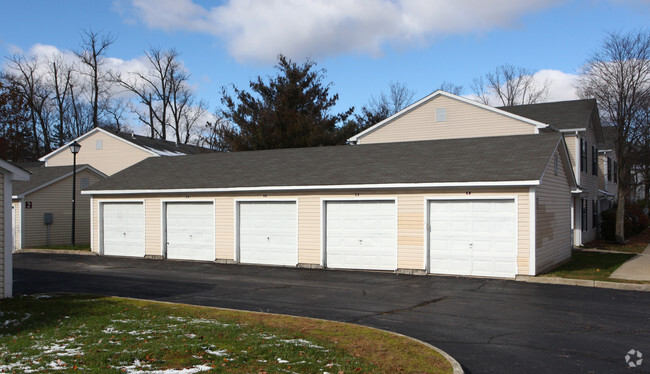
(362, 44)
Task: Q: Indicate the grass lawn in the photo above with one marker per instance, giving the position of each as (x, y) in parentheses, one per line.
(114, 335)
(590, 265)
(629, 247)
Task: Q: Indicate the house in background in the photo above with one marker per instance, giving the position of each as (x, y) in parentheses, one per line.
(446, 186)
(9, 174)
(608, 175)
(111, 152)
(439, 115)
(47, 197)
(42, 206)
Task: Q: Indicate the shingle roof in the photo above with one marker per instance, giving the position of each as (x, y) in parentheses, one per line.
(495, 159)
(573, 114)
(40, 176)
(161, 147)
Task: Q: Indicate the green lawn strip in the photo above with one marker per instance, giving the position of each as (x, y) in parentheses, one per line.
(99, 334)
(590, 265)
(629, 247)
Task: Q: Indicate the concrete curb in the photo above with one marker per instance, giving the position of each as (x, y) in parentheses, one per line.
(58, 251)
(585, 283)
(455, 365)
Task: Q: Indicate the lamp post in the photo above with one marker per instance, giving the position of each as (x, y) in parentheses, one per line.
(74, 148)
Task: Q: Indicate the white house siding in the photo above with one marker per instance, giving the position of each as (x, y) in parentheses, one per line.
(586, 180)
(463, 121)
(553, 218)
(411, 207)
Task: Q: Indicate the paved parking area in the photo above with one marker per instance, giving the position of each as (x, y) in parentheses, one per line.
(488, 325)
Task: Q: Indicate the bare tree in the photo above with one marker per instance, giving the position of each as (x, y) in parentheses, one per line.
(511, 85)
(451, 88)
(26, 77)
(618, 76)
(92, 55)
(384, 105)
(60, 74)
(155, 88)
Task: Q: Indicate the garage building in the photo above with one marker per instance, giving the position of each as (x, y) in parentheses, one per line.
(491, 206)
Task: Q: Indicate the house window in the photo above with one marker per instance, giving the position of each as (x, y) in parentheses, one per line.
(594, 160)
(556, 167)
(584, 214)
(84, 183)
(594, 214)
(615, 172)
(583, 156)
(609, 169)
(99, 144)
(441, 114)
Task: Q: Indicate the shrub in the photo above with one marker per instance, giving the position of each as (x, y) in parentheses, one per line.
(635, 221)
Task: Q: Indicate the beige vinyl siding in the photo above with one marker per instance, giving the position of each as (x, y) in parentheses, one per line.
(16, 224)
(57, 199)
(411, 220)
(463, 121)
(309, 223)
(603, 183)
(411, 232)
(115, 155)
(3, 292)
(553, 218)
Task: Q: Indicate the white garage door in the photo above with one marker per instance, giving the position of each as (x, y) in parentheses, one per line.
(190, 231)
(268, 233)
(361, 235)
(475, 237)
(123, 229)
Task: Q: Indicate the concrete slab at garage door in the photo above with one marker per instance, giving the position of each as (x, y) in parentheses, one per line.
(473, 237)
(190, 231)
(268, 233)
(123, 229)
(361, 235)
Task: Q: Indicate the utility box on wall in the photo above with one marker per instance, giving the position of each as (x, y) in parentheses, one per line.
(48, 218)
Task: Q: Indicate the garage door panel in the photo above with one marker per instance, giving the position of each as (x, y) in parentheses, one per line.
(190, 231)
(268, 233)
(361, 235)
(476, 237)
(123, 229)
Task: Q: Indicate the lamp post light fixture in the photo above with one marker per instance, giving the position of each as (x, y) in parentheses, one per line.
(74, 148)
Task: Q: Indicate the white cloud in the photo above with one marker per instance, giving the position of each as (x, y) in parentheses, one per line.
(259, 30)
(562, 86)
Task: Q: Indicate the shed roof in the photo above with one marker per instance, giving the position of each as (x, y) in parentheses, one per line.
(42, 177)
(497, 159)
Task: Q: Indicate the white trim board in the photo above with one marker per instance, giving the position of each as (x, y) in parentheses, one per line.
(317, 187)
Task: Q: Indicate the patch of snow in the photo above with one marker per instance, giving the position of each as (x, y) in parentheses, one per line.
(190, 335)
(165, 153)
(57, 365)
(193, 369)
(281, 361)
(219, 352)
(111, 330)
(301, 342)
(41, 296)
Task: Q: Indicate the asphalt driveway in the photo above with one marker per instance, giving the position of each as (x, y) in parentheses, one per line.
(488, 325)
